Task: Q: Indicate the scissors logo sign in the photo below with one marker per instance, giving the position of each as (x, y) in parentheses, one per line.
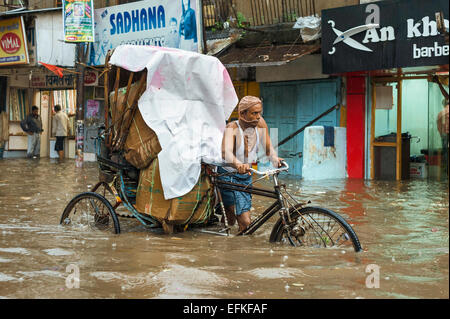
(346, 36)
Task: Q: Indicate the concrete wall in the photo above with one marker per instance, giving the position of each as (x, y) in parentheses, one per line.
(324, 162)
(50, 46)
(305, 68)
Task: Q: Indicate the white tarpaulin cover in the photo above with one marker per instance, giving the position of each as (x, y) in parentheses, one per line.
(188, 98)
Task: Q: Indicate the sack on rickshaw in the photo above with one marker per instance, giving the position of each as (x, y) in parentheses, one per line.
(193, 208)
(141, 145)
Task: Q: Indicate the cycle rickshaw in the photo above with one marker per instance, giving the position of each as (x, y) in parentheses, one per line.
(298, 224)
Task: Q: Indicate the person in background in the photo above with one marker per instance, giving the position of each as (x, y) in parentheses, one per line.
(32, 125)
(442, 126)
(188, 27)
(59, 129)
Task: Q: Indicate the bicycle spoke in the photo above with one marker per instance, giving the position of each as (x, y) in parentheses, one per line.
(91, 210)
(314, 229)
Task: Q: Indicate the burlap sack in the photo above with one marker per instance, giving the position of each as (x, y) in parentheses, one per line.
(194, 207)
(141, 145)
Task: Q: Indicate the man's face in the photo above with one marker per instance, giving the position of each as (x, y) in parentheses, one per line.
(253, 114)
(35, 112)
(173, 26)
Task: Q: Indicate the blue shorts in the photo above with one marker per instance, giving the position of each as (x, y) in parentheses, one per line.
(241, 200)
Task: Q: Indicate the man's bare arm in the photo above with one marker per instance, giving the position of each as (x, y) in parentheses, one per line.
(228, 146)
(269, 149)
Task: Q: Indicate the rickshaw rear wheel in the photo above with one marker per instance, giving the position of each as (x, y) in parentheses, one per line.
(315, 227)
(91, 210)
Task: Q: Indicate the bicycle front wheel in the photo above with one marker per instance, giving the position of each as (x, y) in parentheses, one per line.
(91, 210)
(315, 227)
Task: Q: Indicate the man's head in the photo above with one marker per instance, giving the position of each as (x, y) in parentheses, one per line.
(57, 108)
(173, 23)
(250, 110)
(34, 110)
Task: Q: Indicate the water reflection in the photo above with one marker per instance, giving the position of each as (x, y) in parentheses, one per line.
(403, 228)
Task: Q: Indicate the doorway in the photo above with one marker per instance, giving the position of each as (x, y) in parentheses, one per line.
(289, 106)
(404, 139)
(47, 99)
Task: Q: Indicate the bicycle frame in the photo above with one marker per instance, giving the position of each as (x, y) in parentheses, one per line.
(121, 197)
(278, 205)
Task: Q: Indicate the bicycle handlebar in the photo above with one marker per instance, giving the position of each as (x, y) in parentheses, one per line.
(272, 171)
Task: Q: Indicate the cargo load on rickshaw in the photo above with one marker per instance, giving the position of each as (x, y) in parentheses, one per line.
(168, 118)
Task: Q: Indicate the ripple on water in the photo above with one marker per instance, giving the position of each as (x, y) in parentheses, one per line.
(276, 273)
(40, 273)
(22, 251)
(58, 252)
(5, 277)
(5, 260)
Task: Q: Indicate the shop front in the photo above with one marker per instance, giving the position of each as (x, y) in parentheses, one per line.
(49, 90)
(394, 57)
(24, 83)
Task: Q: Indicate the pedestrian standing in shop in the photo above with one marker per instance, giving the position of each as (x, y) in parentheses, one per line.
(32, 125)
(59, 129)
(443, 128)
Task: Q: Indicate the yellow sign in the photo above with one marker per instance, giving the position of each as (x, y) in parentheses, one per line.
(13, 43)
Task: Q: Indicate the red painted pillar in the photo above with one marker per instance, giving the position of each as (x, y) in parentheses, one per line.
(356, 104)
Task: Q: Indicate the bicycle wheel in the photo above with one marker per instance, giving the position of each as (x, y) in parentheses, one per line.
(315, 227)
(91, 210)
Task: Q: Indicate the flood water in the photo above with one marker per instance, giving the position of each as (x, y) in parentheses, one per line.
(402, 226)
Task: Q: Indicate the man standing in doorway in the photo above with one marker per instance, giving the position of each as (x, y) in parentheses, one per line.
(59, 129)
(239, 149)
(32, 125)
(443, 128)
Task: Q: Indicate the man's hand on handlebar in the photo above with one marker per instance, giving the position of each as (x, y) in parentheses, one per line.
(243, 168)
(277, 161)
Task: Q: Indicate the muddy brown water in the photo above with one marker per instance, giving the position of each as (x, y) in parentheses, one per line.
(403, 228)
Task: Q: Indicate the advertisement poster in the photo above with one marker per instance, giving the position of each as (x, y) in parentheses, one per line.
(92, 108)
(78, 20)
(13, 43)
(163, 23)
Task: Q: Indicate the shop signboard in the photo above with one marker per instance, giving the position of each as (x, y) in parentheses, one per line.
(78, 19)
(52, 81)
(164, 23)
(383, 35)
(90, 78)
(13, 42)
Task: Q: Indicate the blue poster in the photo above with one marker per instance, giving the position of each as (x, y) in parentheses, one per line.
(163, 23)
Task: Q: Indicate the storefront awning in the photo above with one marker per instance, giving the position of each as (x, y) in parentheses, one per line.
(266, 55)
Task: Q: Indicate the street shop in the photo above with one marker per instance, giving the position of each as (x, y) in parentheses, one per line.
(394, 57)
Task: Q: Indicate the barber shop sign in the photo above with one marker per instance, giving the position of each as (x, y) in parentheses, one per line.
(383, 35)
